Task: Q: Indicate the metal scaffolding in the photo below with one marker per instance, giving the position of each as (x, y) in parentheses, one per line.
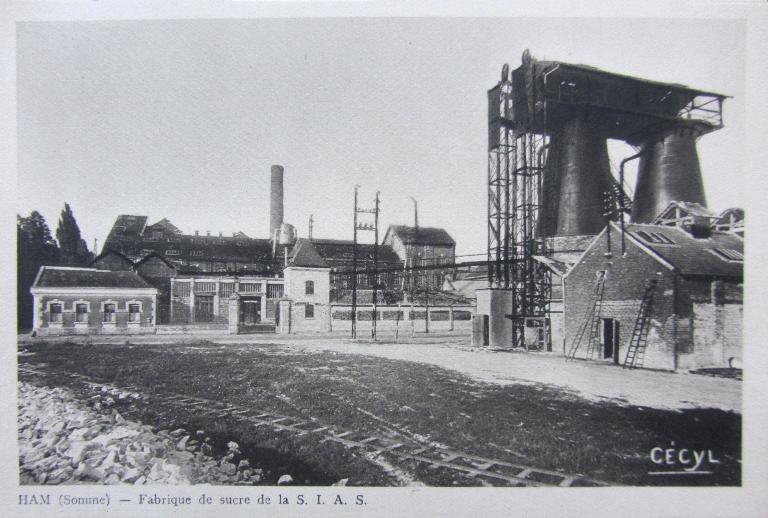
(516, 157)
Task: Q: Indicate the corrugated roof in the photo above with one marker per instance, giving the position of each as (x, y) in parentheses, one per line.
(421, 235)
(60, 277)
(691, 256)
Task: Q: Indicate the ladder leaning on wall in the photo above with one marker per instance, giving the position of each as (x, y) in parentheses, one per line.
(639, 341)
(591, 321)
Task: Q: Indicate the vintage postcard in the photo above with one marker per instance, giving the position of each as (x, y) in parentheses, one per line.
(292, 259)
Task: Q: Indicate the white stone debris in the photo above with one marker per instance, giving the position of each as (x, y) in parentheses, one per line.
(285, 480)
(63, 441)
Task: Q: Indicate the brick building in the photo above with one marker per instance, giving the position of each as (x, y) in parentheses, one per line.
(693, 278)
(423, 247)
(132, 237)
(70, 301)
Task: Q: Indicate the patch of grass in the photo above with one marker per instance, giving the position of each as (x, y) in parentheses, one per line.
(525, 424)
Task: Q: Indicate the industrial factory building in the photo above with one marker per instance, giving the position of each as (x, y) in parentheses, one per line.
(578, 265)
(215, 281)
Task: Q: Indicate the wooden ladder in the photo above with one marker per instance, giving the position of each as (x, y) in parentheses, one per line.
(591, 320)
(639, 340)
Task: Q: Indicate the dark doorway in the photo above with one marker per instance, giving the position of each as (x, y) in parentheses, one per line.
(250, 311)
(486, 330)
(204, 308)
(610, 339)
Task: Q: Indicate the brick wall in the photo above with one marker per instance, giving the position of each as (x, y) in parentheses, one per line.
(624, 286)
(714, 324)
(94, 321)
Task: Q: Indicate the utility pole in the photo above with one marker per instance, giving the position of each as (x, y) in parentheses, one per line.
(371, 275)
(426, 288)
(375, 265)
(354, 272)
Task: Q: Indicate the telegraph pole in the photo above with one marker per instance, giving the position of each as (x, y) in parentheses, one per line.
(374, 227)
(375, 264)
(354, 272)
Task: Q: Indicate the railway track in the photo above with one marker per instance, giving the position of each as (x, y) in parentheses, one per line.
(404, 448)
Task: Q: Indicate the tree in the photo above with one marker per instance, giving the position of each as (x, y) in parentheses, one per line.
(34, 247)
(73, 251)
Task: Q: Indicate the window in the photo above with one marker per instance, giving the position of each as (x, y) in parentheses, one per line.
(728, 254)
(655, 237)
(172, 252)
(55, 311)
(309, 311)
(196, 253)
(109, 313)
(81, 313)
(134, 313)
(309, 287)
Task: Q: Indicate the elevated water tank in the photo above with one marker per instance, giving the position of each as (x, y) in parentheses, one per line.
(287, 236)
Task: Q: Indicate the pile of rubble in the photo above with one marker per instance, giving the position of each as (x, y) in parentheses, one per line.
(63, 441)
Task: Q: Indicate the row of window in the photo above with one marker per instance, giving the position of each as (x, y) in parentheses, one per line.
(108, 312)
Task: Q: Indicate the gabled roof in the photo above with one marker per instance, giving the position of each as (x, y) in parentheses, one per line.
(689, 256)
(154, 255)
(305, 255)
(420, 235)
(164, 225)
(685, 208)
(66, 277)
(109, 252)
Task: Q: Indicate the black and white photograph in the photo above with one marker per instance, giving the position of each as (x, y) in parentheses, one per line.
(282, 262)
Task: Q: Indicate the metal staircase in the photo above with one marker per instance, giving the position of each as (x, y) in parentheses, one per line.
(639, 341)
(591, 321)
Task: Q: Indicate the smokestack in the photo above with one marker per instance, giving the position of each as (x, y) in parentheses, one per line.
(669, 171)
(276, 200)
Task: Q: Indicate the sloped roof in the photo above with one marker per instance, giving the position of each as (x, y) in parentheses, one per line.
(154, 255)
(337, 250)
(107, 253)
(421, 235)
(688, 209)
(127, 225)
(61, 277)
(165, 225)
(690, 256)
(305, 254)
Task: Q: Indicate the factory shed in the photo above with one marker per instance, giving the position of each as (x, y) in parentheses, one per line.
(672, 300)
(92, 301)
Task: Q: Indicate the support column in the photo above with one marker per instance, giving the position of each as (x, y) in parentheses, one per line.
(216, 299)
(234, 314)
(264, 296)
(192, 301)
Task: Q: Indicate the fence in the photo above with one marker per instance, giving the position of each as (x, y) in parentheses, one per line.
(405, 317)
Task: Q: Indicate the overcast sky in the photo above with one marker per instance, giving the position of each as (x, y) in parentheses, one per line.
(182, 119)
